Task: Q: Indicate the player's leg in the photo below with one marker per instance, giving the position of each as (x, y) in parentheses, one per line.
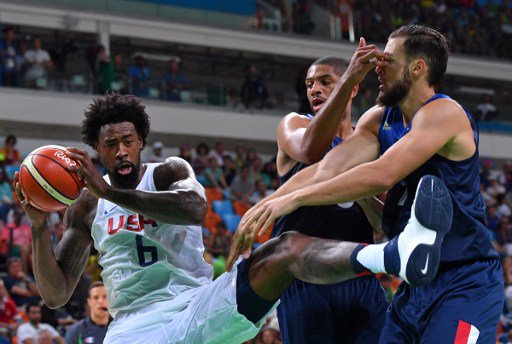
(470, 311)
(414, 255)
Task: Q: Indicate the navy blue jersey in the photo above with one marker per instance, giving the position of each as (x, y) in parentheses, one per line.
(345, 221)
(468, 238)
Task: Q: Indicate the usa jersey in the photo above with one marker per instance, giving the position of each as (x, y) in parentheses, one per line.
(146, 261)
(344, 221)
(468, 239)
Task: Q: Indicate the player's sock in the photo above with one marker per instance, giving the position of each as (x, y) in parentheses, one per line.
(368, 258)
(413, 255)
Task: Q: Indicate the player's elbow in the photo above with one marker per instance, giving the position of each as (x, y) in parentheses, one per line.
(56, 300)
(197, 209)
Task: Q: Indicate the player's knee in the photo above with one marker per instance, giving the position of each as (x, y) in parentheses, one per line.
(290, 245)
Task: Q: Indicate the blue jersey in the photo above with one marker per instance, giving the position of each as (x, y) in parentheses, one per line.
(345, 221)
(468, 238)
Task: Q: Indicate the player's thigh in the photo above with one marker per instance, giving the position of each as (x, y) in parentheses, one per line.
(466, 317)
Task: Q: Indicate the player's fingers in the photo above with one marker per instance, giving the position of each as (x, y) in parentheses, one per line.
(362, 42)
(247, 252)
(267, 224)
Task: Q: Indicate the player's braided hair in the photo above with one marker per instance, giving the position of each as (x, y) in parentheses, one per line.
(114, 108)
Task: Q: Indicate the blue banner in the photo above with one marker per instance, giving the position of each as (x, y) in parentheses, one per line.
(242, 7)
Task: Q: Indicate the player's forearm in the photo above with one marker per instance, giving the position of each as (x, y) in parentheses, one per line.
(50, 278)
(323, 127)
(180, 206)
(373, 208)
(357, 183)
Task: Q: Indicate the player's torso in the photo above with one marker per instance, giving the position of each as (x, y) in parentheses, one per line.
(143, 260)
(468, 239)
(344, 221)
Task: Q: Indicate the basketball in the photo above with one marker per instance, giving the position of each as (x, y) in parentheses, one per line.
(47, 183)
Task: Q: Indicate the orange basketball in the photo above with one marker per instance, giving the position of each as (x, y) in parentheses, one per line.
(44, 177)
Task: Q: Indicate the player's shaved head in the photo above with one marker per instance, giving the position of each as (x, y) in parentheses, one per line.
(339, 65)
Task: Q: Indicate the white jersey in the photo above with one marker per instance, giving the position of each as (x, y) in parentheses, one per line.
(145, 261)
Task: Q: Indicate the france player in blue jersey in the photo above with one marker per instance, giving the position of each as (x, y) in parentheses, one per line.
(413, 143)
(352, 311)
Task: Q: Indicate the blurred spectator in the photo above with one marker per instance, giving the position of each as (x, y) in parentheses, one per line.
(19, 284)
(93, 328)
(503, 206)
(301, 13)
(250, 156)
(139, 77)
(45, 337)
(9, 54)
(269, 174)
(186, 153)
(492, 219)
(106, 71)
(242, 186)
(218, 153)
(201, 160)
(8, 311)
(16, 238)
(268, 335)
(254, 91)
(121, 82)
(260, 192)
(486, 110)
(240, 156)
(256, 168)
(28, 332)
(304, 107)
(6, 199)
(220, 240)
(9, 155)
(230, 169)
(157, 155)
(173, 81)
(38, 63)
(214, 175)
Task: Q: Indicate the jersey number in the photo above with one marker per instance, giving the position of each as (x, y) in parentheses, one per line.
(142, 250)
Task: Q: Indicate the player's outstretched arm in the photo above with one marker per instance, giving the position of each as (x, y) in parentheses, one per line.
(58, 273)
(440, 127)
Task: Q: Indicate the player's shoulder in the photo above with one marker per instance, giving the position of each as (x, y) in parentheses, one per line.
(443, 109)
(371, 118)
(294, 118)
(172, 170)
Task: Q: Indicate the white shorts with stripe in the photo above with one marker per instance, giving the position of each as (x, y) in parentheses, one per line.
(207, 314)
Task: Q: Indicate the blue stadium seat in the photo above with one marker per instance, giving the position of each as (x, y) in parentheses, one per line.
(10, 169)
(232, 221)
(223, 207)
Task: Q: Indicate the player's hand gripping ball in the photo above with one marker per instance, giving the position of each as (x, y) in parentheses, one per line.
(46, 181)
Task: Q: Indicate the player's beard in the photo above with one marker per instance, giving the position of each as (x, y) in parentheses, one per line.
(397, 92)
(126, 181)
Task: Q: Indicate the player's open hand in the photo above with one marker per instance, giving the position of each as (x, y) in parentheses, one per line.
(256, 222)
(36, 216)
(88, 172)
(365, 58)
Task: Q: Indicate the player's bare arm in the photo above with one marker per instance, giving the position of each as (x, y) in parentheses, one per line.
(180, 198)
(440, 127)
(57, 273)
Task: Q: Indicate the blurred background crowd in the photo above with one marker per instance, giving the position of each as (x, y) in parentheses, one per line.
(235, 175)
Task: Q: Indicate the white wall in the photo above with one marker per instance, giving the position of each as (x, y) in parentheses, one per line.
(36, 108)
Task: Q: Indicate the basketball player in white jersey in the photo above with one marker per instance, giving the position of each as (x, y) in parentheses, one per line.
(145, 221)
